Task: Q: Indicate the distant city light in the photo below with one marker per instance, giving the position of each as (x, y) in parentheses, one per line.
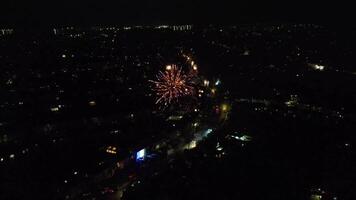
(119, 165)
(317, 67)
(55, 109)
(224, 107)
(168, 67)
(213, 91)
(316, 197)
(217, 82)
(192, 144)
(64, 56)
(320, 67)
(218, 147)
(162, 26)
(293, 101)
(174, 118)
(92, 103)
(111, 150)
(244, 138)
(206, 83)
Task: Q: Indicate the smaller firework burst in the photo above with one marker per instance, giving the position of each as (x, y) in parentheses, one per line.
(172, 84)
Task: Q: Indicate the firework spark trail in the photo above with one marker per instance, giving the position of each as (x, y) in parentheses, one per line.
(172, 84)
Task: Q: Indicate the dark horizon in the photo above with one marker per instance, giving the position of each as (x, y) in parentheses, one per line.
(81, 13)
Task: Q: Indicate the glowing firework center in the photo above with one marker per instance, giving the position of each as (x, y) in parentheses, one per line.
(172, 84)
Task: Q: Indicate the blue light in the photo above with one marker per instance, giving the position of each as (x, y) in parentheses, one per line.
(141, 155)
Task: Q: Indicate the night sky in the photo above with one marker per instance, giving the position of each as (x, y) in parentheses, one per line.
(80, 12)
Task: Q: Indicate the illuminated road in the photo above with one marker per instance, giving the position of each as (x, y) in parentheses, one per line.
(112, 182)
(148, 169)
(133, 170)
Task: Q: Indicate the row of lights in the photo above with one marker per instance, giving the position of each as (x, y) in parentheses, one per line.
(12, 156)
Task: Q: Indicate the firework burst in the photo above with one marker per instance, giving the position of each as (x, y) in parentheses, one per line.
(172, 84)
